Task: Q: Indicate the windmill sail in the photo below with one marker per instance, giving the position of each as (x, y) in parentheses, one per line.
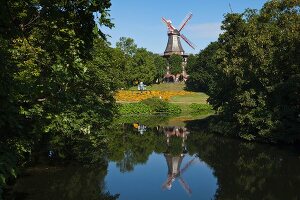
(187, 41)
(185, 21)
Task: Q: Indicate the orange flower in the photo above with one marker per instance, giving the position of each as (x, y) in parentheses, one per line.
(134, 96)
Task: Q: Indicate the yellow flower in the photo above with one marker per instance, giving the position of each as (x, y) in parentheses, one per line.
(134, 96)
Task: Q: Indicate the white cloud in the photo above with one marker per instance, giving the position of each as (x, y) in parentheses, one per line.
(203, 31)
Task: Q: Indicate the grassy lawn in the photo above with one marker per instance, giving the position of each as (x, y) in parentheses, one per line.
(196, 97)
(182, 101)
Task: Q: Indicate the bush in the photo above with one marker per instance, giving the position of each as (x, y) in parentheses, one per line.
(149, 106)
(134, 108)
(174, 109)
(156, 104)
(201, 108)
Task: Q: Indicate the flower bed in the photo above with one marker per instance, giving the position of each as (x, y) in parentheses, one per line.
(135, 96)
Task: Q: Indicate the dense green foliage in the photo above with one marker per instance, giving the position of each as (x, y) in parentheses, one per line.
(141, 67)
(252, 73)
(175, 62)
(149, 106)
(157, 105)
(174, 108)
(134, 108)
(127, 46)
(49, 83)
(202, 69)
(161, 66)
(140, 64)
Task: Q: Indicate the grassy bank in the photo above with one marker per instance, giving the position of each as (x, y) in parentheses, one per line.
(169, 98)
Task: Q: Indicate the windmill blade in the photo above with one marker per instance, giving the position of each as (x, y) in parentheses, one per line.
(187, 165)
(168, 24)
(185, 21)
(188, 41)
(185, 186)
(168, 181)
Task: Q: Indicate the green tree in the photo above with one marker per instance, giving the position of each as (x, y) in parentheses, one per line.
(202, 69)
(112, 61)
(191, 61)
(141, 67)
(47, 82)
(161, 66)
(127, 46)
(175, 62)
(258, 60)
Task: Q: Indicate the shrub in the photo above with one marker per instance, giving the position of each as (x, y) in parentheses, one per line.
(149, 106)
(156, 104)
(173, 109)
(134, 108)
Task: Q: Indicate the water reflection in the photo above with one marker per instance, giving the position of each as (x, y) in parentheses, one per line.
(141, 128)
(137, 156)
(165, 161)
(174, 153)
(242, 170)
(174, 161)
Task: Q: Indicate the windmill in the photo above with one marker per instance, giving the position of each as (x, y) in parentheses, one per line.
(174, 45)
(174, 172)
(174, 35)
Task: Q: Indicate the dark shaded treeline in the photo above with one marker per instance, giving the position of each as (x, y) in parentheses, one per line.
(49, 81)
(246, 170)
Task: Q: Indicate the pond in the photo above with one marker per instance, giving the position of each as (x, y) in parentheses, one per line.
(161, 158)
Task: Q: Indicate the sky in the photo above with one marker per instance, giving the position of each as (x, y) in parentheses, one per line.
(141, 20)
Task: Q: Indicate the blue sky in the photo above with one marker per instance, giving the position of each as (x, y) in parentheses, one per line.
(141, 20)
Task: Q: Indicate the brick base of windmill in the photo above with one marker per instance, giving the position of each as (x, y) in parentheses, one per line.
(180, 77)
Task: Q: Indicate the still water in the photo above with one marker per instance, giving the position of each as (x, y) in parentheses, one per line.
(168, 159)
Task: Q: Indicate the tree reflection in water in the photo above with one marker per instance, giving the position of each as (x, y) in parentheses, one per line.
(243, 170)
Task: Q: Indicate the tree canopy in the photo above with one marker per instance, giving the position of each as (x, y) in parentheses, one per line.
(49, 84)
(175, 62)
(252, 72)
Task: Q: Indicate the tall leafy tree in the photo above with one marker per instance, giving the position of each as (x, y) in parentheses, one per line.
(160, 66)
(127, 45)
(142, 67)
(112, 61)
(47, 83)
(202, 69)
(49, 45)
(175, 62)
(258, 66)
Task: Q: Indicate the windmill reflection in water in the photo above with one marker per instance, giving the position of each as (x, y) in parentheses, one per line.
(174, 161)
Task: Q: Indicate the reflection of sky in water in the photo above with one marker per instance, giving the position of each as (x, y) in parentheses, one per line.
(145, 181)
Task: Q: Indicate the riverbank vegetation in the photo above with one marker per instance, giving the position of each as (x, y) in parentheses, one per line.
(168, 98)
